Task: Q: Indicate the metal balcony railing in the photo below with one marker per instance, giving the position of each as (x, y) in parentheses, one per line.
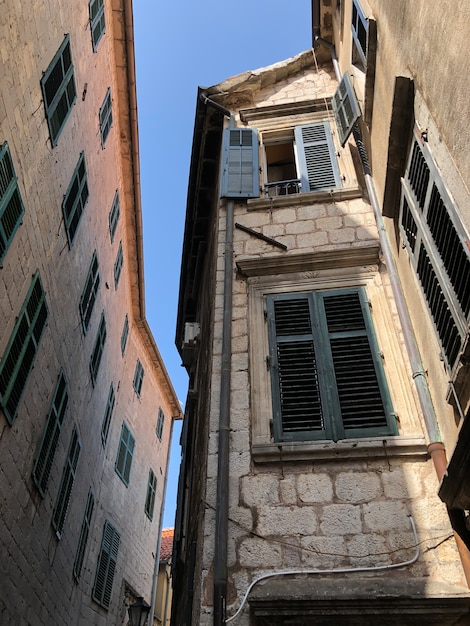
(282, 188)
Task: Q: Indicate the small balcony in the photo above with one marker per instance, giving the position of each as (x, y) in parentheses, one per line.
(282, 188)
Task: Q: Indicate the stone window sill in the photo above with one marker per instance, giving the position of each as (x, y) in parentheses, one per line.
(299, 199)
(373, 447)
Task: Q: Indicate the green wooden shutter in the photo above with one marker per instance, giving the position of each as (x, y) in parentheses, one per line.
(107, 415)
(316, 155)
(89, 293)
(327, 376)
(106, 567)
(240, 169)
(297, 404)
(50, 437)
(98, 349)
(11, 204)
(124, 455)
(361, 387)
(18, 358)
(345, 108)
(66, 484)
(84, 533)
(151, 491)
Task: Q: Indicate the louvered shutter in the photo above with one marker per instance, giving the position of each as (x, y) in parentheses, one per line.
(317, 157)
(326, 371)
(106, 565)
(345, 108)
(240, 169)
(361, 388)
(297, 406)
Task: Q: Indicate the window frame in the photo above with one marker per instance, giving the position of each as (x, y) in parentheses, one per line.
(47, 448)
(423, 251)
(78, 192)
(29, 324)
(106, 117)
(125, 454)
(308, 141)
(90, 292)
(151, 494)
(97, 22)
(309, 272)
(11, 203)
(68, 80)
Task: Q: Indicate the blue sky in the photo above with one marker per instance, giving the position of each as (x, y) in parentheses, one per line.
(180, 46)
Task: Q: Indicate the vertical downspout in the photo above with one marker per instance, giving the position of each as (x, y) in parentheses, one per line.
(221, 510)
(160, 529)
(315, 19)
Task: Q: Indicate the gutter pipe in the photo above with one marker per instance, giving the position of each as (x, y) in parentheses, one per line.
(221, 509)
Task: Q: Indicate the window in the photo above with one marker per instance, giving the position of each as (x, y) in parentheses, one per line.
(327, 378)
(150, 499)
(124, 335)
(66, 484)
(125, 454)
(11, 204)
(106, 117)
(114, 214)
(303, 160)
(90, 291)
(75, 199)
(108, 413)
(359, 27)
(438, 247)
(97, 22)
(345, 108)
(138, 378)
(18, 358)
(83, 538)
(106, 566)
(98, 348)
(50, 436)
(160, 423)
(118, 265)
(58, 90)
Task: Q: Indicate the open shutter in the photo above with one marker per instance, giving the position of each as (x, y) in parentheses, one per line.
(345, 108)
(297, 406)
(240, 169)
(360, 381)
(317, 157)
(106, 565)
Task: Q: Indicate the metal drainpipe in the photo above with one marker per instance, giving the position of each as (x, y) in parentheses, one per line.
(435, 446)
(221, 510)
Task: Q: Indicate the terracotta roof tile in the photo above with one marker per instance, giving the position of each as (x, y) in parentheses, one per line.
(166, 547)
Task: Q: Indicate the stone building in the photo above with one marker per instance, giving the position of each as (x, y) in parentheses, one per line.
(323, 323)
(86, 404)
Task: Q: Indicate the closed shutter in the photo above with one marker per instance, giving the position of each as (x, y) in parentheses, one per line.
(11, 204)
(318, 164)
(106, 566)
(66, 484)
(297, 405)
(345, 108)
(326, 370)
(240, 169)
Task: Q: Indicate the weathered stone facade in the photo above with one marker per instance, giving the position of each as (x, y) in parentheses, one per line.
(38, 582)
(302, 512)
